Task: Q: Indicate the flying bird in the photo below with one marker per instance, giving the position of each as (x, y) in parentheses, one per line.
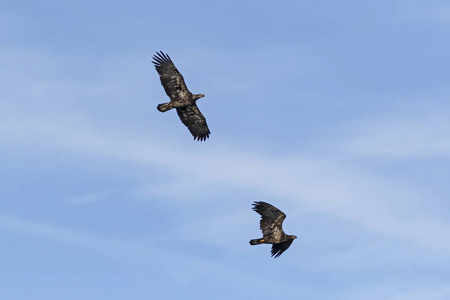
(180, 97)
(271, 225)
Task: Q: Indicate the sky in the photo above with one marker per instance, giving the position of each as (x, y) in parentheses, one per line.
(335, 112)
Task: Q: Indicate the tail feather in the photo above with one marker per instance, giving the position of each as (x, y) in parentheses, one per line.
(256, 241)
(165, 106)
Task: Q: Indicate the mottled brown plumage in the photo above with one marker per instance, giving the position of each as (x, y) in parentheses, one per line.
(180, 97)
(271, 225)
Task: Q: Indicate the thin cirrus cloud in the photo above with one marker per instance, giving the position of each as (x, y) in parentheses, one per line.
(98, 112)
(184, 269)
(91, 197)
(362, 198)
(418, 135)
(302, 179)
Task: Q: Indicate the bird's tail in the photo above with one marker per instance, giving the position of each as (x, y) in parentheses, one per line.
(256, 241)
(165, 106)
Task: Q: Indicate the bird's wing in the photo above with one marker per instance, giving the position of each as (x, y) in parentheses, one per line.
(271, 218)
(278, 249)
(171, 78)
(194, 120)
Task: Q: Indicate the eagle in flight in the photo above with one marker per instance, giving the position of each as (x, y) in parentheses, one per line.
(271, 225)
(180, 97)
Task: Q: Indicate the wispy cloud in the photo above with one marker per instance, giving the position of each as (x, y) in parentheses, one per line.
(402, 290)
(374, 232)
(441, 292)
(105, 247)
(90, 197)
(183, 269)
(417, 135)
(325, 185)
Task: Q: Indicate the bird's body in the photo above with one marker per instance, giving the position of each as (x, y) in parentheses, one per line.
(271, 225)
(180, 97)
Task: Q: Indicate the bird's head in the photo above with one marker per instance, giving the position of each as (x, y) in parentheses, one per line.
(198, 96)
(293, 237)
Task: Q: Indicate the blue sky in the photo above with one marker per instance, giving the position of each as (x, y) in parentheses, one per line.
(337, 113)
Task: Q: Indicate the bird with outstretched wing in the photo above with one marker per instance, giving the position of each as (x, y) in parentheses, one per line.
(271, 225)
(180, 97)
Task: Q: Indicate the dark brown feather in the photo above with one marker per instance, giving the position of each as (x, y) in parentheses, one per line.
(271, 224)
(271, 218)
(194, 120)
(278, 249)
(180, 97)
(171, 78)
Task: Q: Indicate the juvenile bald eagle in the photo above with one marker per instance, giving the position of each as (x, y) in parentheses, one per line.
(271, 225)
(180, 97)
